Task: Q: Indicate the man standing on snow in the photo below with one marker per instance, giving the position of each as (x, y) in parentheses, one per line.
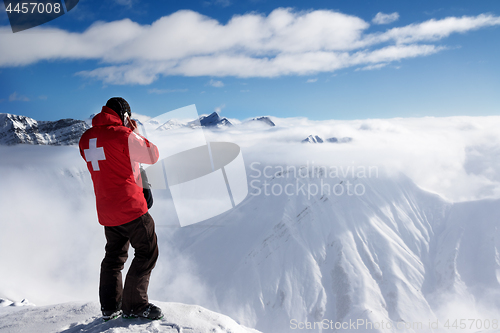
(113, 149)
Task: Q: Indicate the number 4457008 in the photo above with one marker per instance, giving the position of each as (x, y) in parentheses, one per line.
(472, 324)
(34, 7)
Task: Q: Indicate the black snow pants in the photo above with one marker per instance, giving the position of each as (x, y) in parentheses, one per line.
(132, 298)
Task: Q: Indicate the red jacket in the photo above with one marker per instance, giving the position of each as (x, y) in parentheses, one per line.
(113, 153)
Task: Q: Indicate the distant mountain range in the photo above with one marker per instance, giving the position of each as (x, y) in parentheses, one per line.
(211, 121)
(20, 129)
(15, 129)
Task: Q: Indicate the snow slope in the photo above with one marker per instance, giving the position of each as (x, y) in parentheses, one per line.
(394, 254)
(86, 317)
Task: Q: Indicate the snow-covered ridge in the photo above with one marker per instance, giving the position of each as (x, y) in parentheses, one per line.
(317, 139)
(212, 121)
(391, 253)
(86, 317)
(16, 129)
(264, 119)
(5, 302)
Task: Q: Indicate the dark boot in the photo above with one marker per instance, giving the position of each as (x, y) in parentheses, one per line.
(150, 312)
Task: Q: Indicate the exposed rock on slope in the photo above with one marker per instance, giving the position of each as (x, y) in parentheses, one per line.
(20, 129)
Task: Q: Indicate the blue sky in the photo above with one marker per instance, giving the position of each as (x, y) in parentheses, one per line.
(317, 59)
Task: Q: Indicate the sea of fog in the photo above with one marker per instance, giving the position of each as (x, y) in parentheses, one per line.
(52, 244)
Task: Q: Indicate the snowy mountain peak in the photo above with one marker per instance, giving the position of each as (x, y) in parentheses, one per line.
(264, 119)
(16, 129)
(5, 302)
(317, 139)
(313, 139)
(214, 120)
(170, 124)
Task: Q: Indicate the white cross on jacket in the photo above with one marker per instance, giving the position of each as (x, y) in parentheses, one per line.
(94, 154)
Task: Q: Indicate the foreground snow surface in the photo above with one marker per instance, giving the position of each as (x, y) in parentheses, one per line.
(86, 317)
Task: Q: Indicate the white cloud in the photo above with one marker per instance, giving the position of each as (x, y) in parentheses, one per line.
(456, 157)
(15, 97)
(433, 30)
(138, 116)
(382, 18)
(215, 83)
(42, 176)
(219, 108)
(251, 45)
(312, 80)
(371, 67)
(394, 53)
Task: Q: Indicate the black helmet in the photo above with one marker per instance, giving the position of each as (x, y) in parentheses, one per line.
(120, 106)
